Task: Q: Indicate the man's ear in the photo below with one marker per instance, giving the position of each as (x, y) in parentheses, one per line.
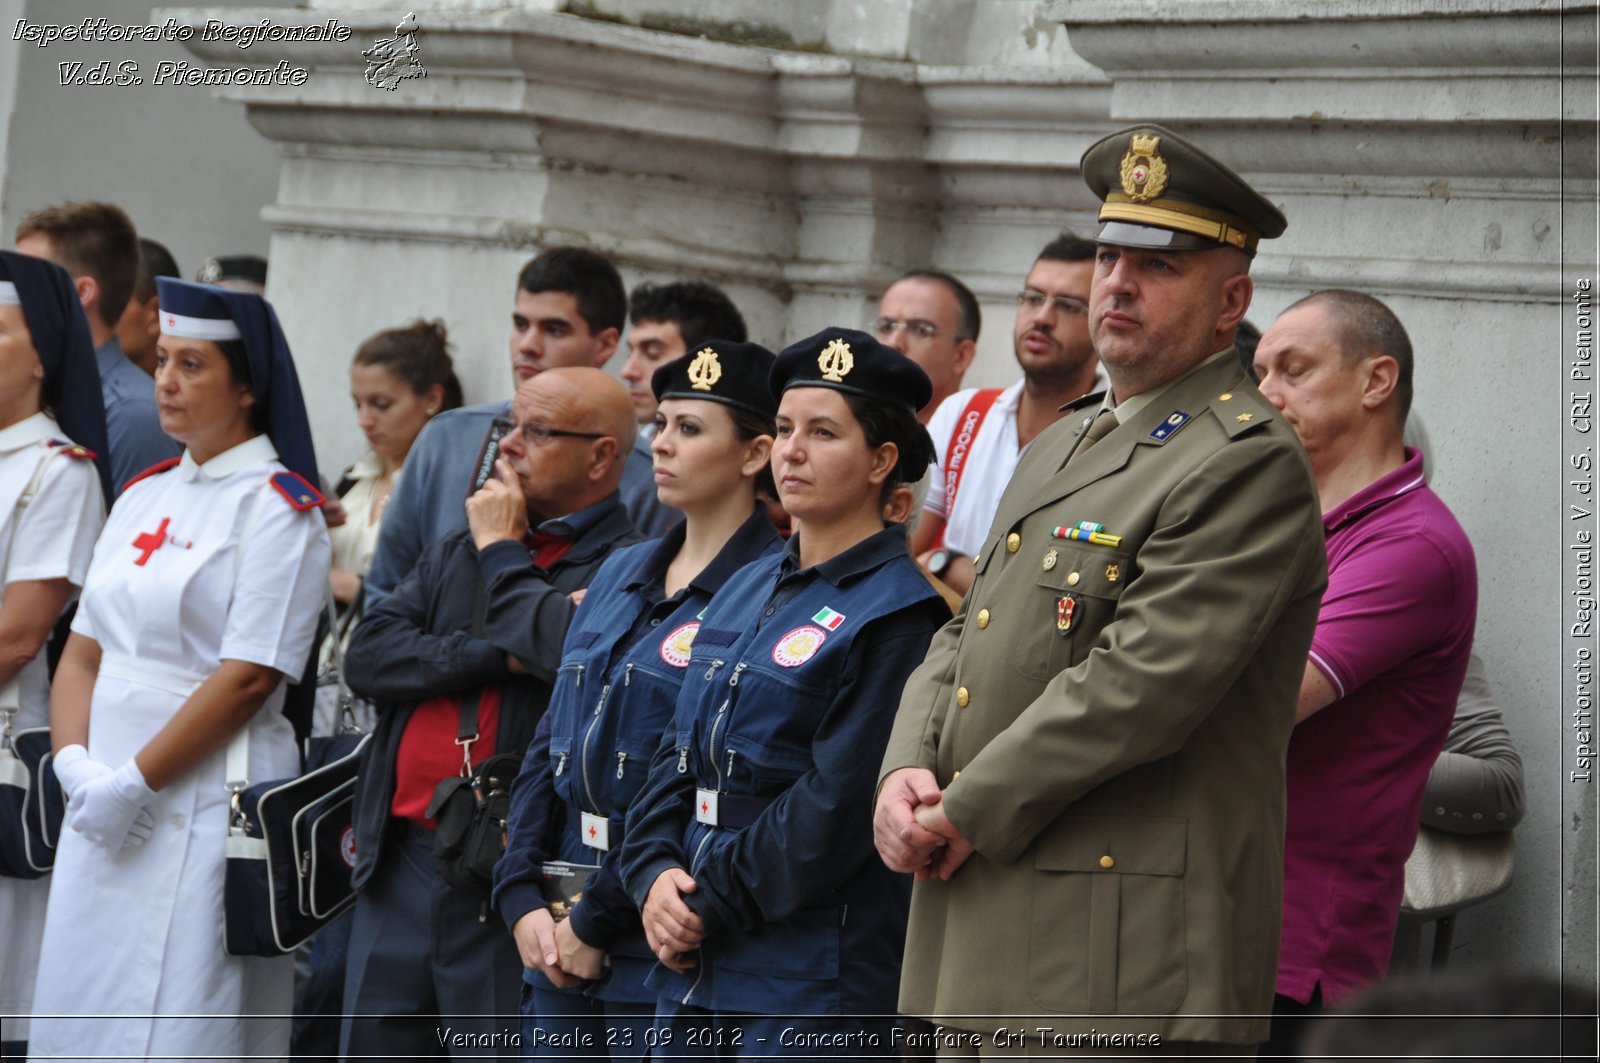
(966, 351)
(605, 345)
(606, 452)
(88, 292)
(1382, 377)
(152, 320)
(1237, 291)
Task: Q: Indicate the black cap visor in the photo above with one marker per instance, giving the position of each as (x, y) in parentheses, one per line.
(1150, 238)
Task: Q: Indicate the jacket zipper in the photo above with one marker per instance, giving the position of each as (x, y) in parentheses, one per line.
(721, 718)
(583, 750)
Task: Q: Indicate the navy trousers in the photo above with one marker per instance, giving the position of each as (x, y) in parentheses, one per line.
(431, 971)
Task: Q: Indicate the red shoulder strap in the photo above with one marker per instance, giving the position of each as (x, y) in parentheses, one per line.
(297, 490)
(71, 449)
(160, 466)
(960, 445)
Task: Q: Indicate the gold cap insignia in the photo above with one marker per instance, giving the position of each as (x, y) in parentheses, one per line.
(1144, 172)
(705, 370)
(836, 361)
(1243, 418)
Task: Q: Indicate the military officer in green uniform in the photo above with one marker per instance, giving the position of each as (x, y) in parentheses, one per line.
(1087, 771)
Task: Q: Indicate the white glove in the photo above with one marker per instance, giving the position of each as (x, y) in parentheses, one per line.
(75, 770)
(110, 810)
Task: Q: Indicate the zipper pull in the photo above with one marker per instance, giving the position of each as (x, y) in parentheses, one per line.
(731, 754)
(683, 759)
(733, 680)
(561, 763)
(580, 677)
(712, 671)
(627, 674)
(622, 758)
(601, 703)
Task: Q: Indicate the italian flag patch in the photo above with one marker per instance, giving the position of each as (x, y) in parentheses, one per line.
(828, 619)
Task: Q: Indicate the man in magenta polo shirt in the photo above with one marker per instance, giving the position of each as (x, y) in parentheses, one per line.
(1391, 646)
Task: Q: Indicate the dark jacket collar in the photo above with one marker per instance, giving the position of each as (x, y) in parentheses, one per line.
(747, 541)
(864, 557)
(593, 528)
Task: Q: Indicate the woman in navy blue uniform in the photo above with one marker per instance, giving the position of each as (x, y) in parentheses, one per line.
(777, 930)
(626, 654)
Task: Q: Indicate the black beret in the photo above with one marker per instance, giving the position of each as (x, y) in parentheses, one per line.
(722, 371)
(1163, 192)
(853, 362)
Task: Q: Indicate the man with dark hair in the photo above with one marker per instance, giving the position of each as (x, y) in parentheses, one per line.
(1391, 647)
(140, 323)
(96, 243)
(981, 433)
(569, 310)
(932, 319)
(1087, 772)
(664, 322)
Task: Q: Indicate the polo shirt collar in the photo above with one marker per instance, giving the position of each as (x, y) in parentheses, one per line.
(28, 431)
(1380, 492)
(252, 451)
(864, 557)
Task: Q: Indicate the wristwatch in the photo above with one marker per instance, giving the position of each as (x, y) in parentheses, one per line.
(939, 561)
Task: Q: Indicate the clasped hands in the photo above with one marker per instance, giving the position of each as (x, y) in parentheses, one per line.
(555, 950)
(911, 830)
(105, 806)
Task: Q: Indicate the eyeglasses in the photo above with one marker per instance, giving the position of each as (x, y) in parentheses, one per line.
(885, 327)
(538, 434)
(1066, 305)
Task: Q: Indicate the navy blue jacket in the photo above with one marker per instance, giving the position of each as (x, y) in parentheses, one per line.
(625, 657)
(418, 643)
(792, 688)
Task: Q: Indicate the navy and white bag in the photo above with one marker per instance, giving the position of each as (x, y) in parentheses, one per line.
(291, 842)
(32, 805)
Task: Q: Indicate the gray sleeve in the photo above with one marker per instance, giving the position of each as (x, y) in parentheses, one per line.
(1476, 784)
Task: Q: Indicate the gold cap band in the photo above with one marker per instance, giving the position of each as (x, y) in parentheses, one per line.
(1169, 213)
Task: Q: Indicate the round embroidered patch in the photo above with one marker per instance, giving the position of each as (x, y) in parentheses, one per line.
(347, 846)
(676, 646)
(799, 646)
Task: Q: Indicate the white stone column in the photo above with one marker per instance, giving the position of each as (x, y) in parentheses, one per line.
(802, 182)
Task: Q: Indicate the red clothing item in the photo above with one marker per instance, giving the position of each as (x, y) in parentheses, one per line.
(1393, 637)
(428, 753)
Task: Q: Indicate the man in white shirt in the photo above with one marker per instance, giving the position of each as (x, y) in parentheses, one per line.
(979, 434)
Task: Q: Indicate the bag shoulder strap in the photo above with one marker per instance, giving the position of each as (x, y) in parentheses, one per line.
(11, 692)
(237, 761)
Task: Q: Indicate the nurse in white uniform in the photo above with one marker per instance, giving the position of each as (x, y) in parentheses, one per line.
(52, 503)
(204, 593)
